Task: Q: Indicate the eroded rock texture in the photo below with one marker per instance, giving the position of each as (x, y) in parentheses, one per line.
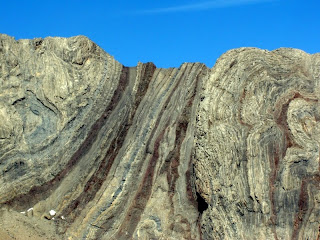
(257, 146)
(151, 153)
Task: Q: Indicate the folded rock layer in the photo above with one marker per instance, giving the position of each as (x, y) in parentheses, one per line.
(91, 149)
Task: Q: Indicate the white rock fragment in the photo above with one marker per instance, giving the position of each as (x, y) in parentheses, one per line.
(62, 217)
(23, 212)
(30, 212)
(52, 213)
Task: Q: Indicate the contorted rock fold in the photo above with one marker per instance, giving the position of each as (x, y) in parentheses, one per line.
(91, 149)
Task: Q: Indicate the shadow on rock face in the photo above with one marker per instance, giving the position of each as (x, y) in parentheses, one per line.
(202, 204)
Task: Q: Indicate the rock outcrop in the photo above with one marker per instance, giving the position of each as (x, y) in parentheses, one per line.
(257, 146)
(91, 149)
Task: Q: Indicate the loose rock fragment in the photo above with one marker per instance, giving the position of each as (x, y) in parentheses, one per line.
(52, 213)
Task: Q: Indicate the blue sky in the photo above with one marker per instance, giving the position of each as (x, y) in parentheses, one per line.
(169, 33)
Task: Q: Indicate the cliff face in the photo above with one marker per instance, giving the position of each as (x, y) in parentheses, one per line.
(150, 153)
(257, 146)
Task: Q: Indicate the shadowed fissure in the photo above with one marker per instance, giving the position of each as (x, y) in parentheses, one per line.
(202, 204)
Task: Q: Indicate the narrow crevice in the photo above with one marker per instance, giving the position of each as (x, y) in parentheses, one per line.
(202, 204)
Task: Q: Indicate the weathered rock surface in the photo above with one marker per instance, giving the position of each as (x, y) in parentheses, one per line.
(230, 152)
(257, 146)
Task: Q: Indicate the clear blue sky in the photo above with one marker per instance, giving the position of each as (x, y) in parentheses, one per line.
(169, 33)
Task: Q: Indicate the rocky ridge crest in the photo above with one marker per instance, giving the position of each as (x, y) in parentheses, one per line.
(91, 149)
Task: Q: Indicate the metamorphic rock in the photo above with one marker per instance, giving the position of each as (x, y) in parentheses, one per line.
(91, 149)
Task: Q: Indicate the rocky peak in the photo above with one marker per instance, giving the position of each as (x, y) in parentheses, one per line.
(91, 149)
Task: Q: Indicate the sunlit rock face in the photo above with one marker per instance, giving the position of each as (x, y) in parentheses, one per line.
(257, 146)
(91, 149)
